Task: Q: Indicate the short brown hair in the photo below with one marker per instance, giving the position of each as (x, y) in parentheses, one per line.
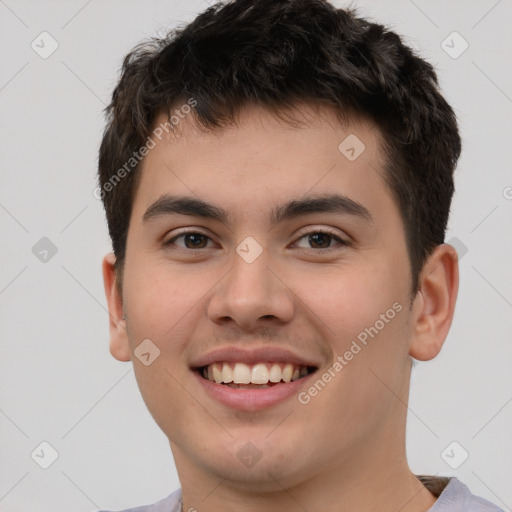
(276, 53)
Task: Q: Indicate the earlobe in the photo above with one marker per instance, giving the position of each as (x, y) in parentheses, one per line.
(119, 344)
(434, 305)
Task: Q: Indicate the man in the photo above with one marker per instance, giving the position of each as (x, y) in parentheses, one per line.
(277, 178)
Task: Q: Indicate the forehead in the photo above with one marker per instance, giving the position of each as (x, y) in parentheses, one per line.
(261, 158)
(254, 127)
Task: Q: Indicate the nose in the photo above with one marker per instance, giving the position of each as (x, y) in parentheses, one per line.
(251, 294)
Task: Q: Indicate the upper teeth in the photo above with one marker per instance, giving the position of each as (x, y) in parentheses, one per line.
(261, 373)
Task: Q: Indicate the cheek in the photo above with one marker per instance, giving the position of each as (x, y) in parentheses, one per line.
(372, 375)
(161, 301)
(362, 314)
(163, 307)
(164, 398)
(344, 300)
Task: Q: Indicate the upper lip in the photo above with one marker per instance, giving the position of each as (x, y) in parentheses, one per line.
(253, 356)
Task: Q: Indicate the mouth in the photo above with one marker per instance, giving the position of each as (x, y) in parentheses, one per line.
(261, 375)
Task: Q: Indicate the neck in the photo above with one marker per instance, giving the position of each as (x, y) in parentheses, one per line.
(369, 473)
(365, 480)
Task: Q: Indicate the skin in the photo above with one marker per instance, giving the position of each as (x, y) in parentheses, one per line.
(345, 449)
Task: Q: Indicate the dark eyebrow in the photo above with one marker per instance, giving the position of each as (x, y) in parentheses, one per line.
(329, 203)
(183, 205)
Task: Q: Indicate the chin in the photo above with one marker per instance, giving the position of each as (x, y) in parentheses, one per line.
(260, 467)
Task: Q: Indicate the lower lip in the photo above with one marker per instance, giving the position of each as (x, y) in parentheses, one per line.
(252, 399)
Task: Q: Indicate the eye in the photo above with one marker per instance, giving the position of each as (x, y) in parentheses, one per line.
(192, 240)
(322, 238)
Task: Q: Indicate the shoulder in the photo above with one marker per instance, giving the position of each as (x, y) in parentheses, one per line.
(171, 503)
(456, 496)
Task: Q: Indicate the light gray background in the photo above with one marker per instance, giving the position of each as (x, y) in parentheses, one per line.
(60, 384)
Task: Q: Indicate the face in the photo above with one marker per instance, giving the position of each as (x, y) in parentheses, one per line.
(320, 284)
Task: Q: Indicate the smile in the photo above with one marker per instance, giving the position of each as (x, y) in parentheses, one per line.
(260, 375)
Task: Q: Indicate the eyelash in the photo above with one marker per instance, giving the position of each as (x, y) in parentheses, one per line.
(342, 243)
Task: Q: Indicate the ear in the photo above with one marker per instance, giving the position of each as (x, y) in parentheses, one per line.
(119, 345)
(434, 304)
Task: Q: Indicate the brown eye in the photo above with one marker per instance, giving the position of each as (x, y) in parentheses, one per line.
(322, 240)
(191, 239)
